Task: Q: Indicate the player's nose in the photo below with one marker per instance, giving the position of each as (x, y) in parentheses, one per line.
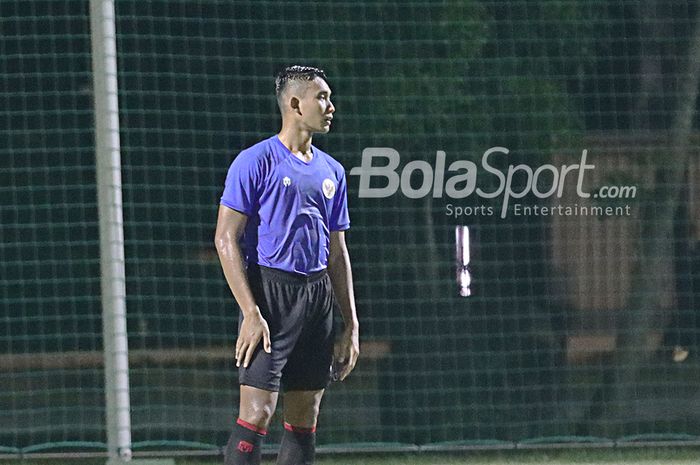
(331, 108)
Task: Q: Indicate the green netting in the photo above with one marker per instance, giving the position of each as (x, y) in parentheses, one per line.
(568, 334)
(49, 254)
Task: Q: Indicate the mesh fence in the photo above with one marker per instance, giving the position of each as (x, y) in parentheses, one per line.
(575, 316)
(49, 250)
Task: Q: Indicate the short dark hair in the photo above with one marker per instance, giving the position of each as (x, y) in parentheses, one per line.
(296, 73)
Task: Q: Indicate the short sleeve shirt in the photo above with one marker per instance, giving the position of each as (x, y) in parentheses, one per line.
(292, 206)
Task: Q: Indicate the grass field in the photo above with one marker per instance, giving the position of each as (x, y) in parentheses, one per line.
(642, 456)
(628, 456)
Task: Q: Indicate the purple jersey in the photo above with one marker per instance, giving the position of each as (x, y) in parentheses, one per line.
(292, 206)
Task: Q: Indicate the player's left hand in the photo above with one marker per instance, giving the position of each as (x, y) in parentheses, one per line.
(346, 351)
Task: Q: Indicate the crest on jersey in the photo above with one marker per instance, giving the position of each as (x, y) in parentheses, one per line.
(286, 181)
(328, 188)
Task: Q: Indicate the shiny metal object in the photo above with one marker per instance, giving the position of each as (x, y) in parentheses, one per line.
(463, 274)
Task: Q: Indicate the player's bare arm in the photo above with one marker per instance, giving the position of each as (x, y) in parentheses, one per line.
(229, 229)
(348, 347)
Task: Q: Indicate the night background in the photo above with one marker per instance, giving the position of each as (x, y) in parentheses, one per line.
(569, 333)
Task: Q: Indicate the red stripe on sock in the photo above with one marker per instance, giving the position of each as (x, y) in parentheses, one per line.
(299, 429)
(251, 427)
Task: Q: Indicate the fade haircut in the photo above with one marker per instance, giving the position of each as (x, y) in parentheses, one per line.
(296, 73)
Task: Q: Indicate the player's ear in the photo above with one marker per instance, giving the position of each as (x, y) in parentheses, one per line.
(294, 104)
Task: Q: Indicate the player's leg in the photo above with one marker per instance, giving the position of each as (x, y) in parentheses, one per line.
(305, 377)
(260, 381)
(257, 406)
(259, 391)
(256, 409)
(300, 416)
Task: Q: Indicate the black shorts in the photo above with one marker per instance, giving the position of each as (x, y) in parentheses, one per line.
(299, 312)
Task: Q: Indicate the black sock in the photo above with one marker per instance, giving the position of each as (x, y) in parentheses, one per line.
(244, 445)
(298, 446)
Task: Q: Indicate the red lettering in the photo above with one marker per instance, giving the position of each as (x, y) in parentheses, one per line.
(245, 447)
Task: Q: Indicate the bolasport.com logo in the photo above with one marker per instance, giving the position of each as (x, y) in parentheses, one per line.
(461, 178)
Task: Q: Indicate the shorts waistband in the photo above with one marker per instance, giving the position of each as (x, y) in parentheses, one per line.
(286, 276)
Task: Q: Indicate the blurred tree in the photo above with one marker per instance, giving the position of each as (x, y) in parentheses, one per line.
(655, 249)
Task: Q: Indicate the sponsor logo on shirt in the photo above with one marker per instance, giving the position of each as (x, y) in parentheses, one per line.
(328, 188)
(286, 181)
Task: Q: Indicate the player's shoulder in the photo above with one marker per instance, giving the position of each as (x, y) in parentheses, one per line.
(259, 157)
(257, 151)
(334, 164)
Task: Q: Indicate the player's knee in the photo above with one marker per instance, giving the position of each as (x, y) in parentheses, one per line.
(302, 410)
(260, 417)
(308, 413)
(258, 412)
(266, 410)
(301, 418)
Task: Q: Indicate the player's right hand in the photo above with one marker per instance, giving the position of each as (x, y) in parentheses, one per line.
(253, 328)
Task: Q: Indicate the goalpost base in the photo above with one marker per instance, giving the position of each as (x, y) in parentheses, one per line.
(165, 461)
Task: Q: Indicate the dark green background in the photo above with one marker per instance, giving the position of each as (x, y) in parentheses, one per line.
(196, 86)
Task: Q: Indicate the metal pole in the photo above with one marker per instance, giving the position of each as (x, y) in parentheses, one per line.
(109, 197)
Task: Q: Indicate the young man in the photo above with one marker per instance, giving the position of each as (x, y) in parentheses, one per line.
(287, 201)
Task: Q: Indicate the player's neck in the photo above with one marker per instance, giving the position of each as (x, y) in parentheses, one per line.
(297, 141)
